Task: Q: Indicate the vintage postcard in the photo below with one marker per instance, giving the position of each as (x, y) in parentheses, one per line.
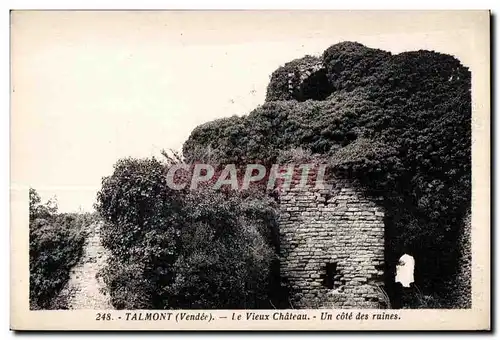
(250, 170)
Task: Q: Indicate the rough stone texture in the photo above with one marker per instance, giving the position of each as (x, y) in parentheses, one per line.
(338, 226)
(85, 290)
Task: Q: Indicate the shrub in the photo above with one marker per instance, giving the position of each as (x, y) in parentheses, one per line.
(350, 64)
(180, 248)
(401, 124)
(56, 245)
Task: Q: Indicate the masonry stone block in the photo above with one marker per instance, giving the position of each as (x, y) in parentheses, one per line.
(332, 248)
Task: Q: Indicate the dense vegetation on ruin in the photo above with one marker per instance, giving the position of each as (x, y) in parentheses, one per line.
(400, 124)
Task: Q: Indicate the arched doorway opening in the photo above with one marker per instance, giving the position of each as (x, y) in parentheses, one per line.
(405, 270)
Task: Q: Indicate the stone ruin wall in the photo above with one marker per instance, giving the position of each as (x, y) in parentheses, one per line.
(461, 289)
(332, 247)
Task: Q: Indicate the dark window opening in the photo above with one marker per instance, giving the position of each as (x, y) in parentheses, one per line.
(315, 87)
(331, 277)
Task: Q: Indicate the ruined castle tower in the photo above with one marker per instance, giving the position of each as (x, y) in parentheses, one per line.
(332, 247)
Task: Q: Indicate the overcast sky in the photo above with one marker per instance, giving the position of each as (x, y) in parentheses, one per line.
(90, 88)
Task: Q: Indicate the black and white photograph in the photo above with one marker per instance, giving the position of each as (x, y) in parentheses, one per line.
(295, 166)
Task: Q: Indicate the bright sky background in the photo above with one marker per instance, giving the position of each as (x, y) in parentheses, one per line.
(90, 88)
